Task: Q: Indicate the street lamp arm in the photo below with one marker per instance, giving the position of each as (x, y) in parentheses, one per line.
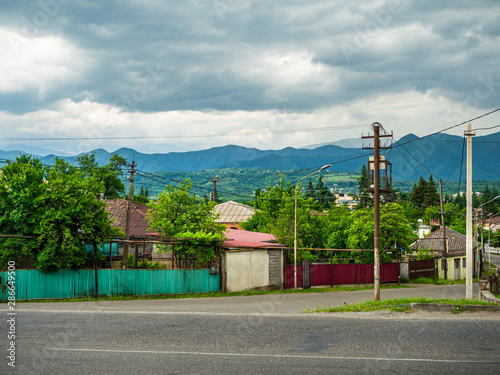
(295, 226)
(498, 196)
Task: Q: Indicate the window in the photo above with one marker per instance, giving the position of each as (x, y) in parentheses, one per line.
(463, 262)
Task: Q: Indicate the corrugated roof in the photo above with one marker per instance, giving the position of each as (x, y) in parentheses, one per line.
(456, 242)
(233, 212)
(246, 239)
(139, 225)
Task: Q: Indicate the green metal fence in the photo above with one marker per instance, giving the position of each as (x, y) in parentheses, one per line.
(33, 284)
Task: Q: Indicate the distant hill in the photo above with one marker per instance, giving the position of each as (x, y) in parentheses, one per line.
(34, 150)
(345, 143)
(410, 157)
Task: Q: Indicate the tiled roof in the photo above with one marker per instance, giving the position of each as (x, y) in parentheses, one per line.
(493, 221)
(139, 225)
(246, 239)
(456, 242)
(233, 212)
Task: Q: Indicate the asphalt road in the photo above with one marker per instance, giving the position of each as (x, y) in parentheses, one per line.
(250, 335)
(495, 258)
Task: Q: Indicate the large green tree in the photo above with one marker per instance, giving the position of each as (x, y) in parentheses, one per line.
(110, 174)
(320, 194)
(55, 204)
(394, 229)
(364, 197)
(177, 213)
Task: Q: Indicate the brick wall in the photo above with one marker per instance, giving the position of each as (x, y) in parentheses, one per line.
(275, 269)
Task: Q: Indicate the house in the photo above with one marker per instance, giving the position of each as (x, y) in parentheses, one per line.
(342, 199)
(139, 228)
(423, 230)
(492, 224)
(232, 214)
(453, 265)
(252, 260)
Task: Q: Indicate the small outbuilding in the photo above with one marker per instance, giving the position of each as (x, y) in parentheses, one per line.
(252, 260)
(451, 265)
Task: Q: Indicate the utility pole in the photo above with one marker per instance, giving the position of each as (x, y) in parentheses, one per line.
(376, 205)
(129, 209)
(213, 194)
(469, 259)
(443, 228)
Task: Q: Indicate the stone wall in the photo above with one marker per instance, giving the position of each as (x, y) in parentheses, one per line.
(275, 269)
(488, 287)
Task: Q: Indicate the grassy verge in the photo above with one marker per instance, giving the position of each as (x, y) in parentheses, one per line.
(213, 294)
(396, 305)
(436, 281)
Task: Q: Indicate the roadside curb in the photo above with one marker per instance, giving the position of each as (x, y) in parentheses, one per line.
(441, 307)
(486, 295)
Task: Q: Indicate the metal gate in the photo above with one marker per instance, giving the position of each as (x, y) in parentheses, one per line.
(422, 268)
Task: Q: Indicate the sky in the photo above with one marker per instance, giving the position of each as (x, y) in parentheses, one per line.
(163, 76)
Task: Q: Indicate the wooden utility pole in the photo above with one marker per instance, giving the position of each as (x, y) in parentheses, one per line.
(469, 259)
(443, 228)
(129, 209)
(213, 194)
(376, 206)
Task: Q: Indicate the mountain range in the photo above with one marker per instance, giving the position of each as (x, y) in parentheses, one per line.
(411, 157)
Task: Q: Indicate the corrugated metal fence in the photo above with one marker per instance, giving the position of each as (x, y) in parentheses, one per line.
(321, 274)
(33, 284)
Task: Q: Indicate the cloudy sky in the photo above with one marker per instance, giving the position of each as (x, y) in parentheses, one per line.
(163, 76)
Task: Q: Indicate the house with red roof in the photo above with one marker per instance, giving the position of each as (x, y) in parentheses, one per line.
(252, 260)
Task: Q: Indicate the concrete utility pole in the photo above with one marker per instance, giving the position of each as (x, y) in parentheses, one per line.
(445, 242)
(376, 207)
(213, 194)
(469, 259)
(129, 209)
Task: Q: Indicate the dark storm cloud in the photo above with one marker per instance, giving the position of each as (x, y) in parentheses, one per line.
(246, 55)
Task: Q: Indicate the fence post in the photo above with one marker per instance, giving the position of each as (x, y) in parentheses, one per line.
(306, 274)
(331, 269)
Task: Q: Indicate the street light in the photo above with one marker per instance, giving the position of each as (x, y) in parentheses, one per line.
(295, 227)
(482, 229)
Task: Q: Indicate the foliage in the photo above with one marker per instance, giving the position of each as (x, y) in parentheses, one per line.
(276, 215)
(191, 219)
(143, 264)
(110, 174)
(424, 254)
(394, 228)
(323, 198)
(398, 304)
(58, 206)
(424, 194)
(454, 216)
(364, 197)
(143, 197)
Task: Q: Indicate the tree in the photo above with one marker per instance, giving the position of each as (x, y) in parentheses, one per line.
(431, 197)
(110, 174)
(143, 196)
(418, 193)
(276, 215)
(394, 228)
(55, 204)
(363, 195)
(179, 214)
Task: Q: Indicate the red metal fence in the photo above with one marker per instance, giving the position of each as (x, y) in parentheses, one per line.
(321, 274)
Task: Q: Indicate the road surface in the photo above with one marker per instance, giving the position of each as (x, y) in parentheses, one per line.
(251, 335)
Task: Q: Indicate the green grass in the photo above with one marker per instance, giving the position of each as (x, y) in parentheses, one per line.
(212, 294)
(436, 281)
(397, 305)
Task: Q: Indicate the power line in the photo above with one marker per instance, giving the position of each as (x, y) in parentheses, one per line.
(207, 135)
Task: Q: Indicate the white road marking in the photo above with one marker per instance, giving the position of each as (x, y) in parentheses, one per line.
(258, 355)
